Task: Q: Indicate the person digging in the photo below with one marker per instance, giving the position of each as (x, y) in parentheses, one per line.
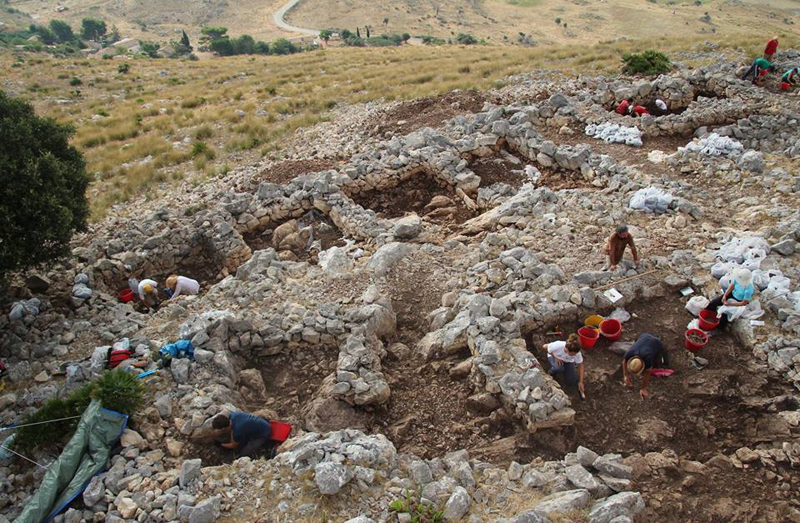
(641, 359)
(247, 434)
(563, 357)
(616, 245)
(738, 294)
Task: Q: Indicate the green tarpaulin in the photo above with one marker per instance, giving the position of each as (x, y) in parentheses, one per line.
(85, 455)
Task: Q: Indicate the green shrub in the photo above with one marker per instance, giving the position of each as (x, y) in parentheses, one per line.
(75, 81)
(466, 39)
(648, 63)
(116, 390)
(123, 68)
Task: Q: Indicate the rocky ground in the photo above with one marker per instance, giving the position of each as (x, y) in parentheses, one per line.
(387, 288)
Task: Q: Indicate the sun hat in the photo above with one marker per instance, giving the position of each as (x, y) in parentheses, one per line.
(172, 281)
(743, 277)
(636, 365)
(148, 288)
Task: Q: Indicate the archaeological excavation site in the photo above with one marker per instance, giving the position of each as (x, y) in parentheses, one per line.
(394, 308)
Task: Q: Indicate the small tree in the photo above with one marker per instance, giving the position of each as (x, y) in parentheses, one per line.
(358, 32)
(367, 28)
(93, 29)
(406, 37)
(466, 39)
(282, 46)
(47, 36)
(244, 45)
(325, 35)
(261, 47)
(345, 34)
(385, 22)
(114, 35)
(62, 30)
(43, 184)
(212, 33)
(185, 41)
(123, 68)
(222, 46)
(149, 48)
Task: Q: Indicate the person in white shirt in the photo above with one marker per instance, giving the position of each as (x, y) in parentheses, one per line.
(661, 107)
(148, 292)
(564, 356)
(182, 285)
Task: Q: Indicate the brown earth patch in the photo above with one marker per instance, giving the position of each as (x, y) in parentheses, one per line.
(322, 234)
(499, 168)
(430, 111)
(287, 170)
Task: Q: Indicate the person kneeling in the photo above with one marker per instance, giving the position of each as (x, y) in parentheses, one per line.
(645, 355)
(563, 357)
(247, 434)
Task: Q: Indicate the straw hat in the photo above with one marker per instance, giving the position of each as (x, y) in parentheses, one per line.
(636, 365)
(172, 281)
(743, 277)
(148, 288)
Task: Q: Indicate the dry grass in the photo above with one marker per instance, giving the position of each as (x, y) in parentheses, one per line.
(138, 130)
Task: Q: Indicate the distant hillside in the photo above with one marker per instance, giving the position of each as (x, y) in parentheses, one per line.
(499, 21)
(551, 21)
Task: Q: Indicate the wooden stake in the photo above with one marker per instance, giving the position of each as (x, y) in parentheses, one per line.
(629, 278)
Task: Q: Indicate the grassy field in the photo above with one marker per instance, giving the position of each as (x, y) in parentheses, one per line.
(166, 121)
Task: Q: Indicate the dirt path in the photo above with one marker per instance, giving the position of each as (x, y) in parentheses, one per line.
(278, 20)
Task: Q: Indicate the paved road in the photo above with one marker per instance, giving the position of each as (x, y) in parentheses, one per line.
(277, 18)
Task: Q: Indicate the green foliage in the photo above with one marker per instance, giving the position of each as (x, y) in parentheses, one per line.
(43, 184)
(413, 506)
(123, 68)
(62, 30)
(185, 41)
(116, 390)
(431, 40)
(326, 34)
(47, 36)
(648, 63)
(345, 34)
(222, 46)
(75, 81)
(354, 41)
(262, 47)
(466, 39)
(244, 45)
(93, 29)
(149, 48)
(210, 34)
(282, 46)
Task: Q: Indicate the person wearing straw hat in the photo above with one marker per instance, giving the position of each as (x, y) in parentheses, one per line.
(564, 356)
(182, 285)
(738, 294)
(645, 355)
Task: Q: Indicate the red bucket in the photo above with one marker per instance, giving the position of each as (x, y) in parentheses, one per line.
(708, 320)
(588, 337)
(126, 295)
(785, 86)
(280, 430)
(691, 346)
(611, 330)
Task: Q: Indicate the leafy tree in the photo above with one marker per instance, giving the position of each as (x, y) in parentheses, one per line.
(466, 39)
(62, 30)
(43, 184)
(649, 63)
(222, 46)
(149, 48)
(261, 47)
(326, 34)
(282, 46)
(212, 33)
(406, 37)
(93, 29)
(345, 34)
(47, 36)
(244, 45)
(123, 68)
(385, 22)
(114, 36)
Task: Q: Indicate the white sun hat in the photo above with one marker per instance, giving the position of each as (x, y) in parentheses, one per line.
(743, 277)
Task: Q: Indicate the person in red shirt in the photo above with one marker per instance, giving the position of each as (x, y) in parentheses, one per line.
(772, 46)
(638, 110)
(622, 108)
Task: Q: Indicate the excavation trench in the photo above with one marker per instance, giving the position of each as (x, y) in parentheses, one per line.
(300, 239)
(698, 414)
(421, 193)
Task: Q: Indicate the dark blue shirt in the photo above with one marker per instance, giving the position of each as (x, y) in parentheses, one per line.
(247, 427)
(647, 347)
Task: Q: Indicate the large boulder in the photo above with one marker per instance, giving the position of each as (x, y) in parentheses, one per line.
(388, 256)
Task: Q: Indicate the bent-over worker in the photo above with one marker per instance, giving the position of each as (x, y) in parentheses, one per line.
(247, 433)
(624, 106)
(790, 77)
(759, 68)
(616, 245)
(647, 353)
(563, 357)
(738, 294)
(148, 292)
(182, 285)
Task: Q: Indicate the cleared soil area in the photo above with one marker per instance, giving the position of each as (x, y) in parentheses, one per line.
(696, 413)
(499, 168)
(421, 194)
(287, 170)
(431, 111)
(315, 232)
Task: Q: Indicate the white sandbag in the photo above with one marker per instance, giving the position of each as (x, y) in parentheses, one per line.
(752, 311)
(620, 314)
(651, 200)
(720, 269)
(694, 324)
(696, 304)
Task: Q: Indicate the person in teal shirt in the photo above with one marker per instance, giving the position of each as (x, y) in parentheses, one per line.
(790, 78)
(739, 294)
(758, 69)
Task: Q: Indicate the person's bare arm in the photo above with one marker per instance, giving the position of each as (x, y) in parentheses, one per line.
(581, 372)
(627, 377)
(632, 245)
(177, 291)
(231, 444)
(727, 295)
